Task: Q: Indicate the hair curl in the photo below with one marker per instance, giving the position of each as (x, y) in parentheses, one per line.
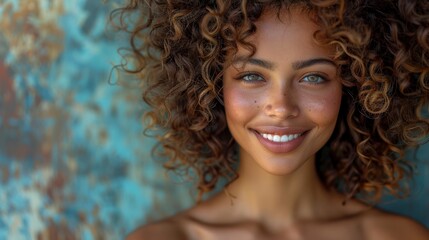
(178, 49)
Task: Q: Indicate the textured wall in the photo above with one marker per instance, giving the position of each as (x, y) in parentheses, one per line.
(73, 161)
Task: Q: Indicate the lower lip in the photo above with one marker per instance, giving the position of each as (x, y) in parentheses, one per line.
(280, 147)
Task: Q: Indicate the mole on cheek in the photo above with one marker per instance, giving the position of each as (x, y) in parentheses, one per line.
(257, 105)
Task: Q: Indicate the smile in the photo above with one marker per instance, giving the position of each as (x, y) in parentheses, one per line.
(280, 138)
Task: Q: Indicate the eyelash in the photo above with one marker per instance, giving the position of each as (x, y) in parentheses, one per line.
(247, 74)
(321, 79)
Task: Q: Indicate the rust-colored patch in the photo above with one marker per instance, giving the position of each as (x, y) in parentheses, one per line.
(8, 104)
(55, 186)
(57, 231)
(31, 33)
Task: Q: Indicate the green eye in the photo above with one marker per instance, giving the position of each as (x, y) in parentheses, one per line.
(314, 79)
(252, 78)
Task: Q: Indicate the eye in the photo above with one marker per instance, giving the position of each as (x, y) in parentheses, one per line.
(313, 79)
(251, 77)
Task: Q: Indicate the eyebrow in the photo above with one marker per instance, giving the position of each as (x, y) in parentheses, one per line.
(295, 65)
(255, 61)
(309, 62)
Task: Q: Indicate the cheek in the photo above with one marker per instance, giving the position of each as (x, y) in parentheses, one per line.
(239, 104)
(324, 108)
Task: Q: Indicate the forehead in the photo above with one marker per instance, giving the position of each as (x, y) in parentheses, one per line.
(285, 34)
(287, 24)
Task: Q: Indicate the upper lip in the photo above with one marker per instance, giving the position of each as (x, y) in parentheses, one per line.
(280, 130)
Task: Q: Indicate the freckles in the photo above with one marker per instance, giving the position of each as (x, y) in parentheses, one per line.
(255, 104)
(325, 109)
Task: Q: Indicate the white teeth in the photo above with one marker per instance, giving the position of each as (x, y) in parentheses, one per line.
(278, 138)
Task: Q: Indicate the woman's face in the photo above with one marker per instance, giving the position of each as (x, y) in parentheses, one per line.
(282, 104)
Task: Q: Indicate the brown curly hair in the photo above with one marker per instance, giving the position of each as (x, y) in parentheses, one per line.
(178, 50)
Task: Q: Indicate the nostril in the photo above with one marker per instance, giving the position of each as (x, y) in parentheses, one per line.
(281, 110)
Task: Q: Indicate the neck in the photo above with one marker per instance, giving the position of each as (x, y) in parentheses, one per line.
(260, 196)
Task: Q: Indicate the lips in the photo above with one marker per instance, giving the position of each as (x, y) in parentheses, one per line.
(280, 139)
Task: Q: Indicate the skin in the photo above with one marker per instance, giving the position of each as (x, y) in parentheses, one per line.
(278, 194)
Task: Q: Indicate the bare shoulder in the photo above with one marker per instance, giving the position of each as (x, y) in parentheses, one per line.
(182, 226)
(170, 229)
(381, 225)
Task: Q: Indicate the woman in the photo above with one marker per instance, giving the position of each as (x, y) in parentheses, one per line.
(306, 107)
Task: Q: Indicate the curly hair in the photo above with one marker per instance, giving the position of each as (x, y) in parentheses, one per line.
(179, 52)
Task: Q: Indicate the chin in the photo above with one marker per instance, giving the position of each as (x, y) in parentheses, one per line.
(281, 167)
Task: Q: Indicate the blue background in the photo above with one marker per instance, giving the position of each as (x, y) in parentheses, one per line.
(74, 163)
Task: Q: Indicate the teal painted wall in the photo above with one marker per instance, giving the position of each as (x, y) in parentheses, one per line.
(74, 163)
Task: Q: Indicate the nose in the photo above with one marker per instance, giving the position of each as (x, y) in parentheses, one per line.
(282, 103)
